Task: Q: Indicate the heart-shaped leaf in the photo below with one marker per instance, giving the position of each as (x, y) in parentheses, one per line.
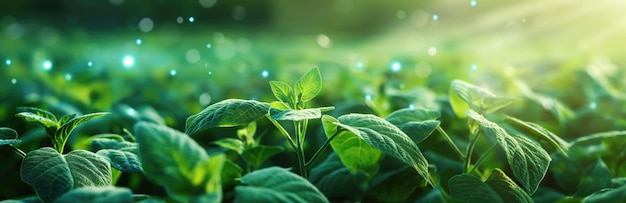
(275, 184)
(51, 174)
(227, 113)
(309, 85)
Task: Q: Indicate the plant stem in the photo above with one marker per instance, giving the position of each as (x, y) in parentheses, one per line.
(317, 154)
(283, 132)
(470, 149)
(298, 125)
(18, 151)
(450, 142)
(482, 158)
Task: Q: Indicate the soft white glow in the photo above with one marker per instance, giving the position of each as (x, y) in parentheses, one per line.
(47, 65)
(265, 74)
(128, 61)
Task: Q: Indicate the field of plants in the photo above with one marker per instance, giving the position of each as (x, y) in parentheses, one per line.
(321, 101)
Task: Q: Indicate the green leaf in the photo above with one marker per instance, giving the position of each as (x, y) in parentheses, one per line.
(465, 96)
(469, 188)
(506, 188)
(598, 137)
(331, 177)
(46, 122)
(66, 129)
(227, 113)
(417, 123)
(354, 152)
(527, 159)
(540, 133)
(8, 136)
(598, 178)
(397, 185)
(492, 104)
(124, 161)
(97, 195)
(295, 115)
(309, 85)
(51, 174)
(231, 143)
(257, 155)
(275, 184)
(38, 115)
(209, 174)
(387, 138)
(231, 172)
(283, 92)
(174, 160)
(607, 195)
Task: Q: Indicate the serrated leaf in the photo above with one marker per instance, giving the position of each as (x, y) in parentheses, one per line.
(599, 177)
(354, 152)
(607, 195)
(231, 143)
(66, 129)
(540, 133)
(309, 85)
(283, 92)
(387, 138)
(469, 188)
(417, 123)
(506, 188)
(227, 113)
(527, 159)
(172, 159)
(97, 195)
(295, 115)
(257, 155)
(275, 184)
(397, 185)
(8, 136)
(331, 177)
(51, 174)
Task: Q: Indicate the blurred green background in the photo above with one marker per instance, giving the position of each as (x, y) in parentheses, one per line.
(173, 58)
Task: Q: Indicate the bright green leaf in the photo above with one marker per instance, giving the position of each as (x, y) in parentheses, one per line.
(283, 92)
(492, 104)
(8, 136)
(66, 129)
(598, 178)
(309, 85)
(469, 188)
(331, 177)
(295, 115)
(97, 195)
(539, 133)
(51, 174)
(209, 174)
(463, 96)
(406, 115)
(598, 137)
(36, 115)
(356, 154)
(506, 188)
(527, 159)
(230, 143)
(257, 155)
(275, 184)
(227, 113)
(387, 138)
(231, 172)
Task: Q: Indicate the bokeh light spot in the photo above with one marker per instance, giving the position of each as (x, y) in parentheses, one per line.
(128, 61)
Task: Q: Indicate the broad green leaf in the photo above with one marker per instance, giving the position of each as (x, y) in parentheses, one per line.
(598, 178)
(309, 85)
(275, 184)
(463, 96)
(397, 185)
(406, 115)
(527, 159)
(51, 174)
(331, 177)
(209, 174)
(231, 172)
(506, 188)
(539, 133)
(492, 104)
(36, 115)
(607, 195)
(469, 188)
(387, 138)
(257, 155)
(283, 92)
(354, 152)
(227, 113)
(124, 161)
(66, 129)
(598, 137)
(171, 158)
(8, 136)
(231, 143)
(97, 195)
(295, 115)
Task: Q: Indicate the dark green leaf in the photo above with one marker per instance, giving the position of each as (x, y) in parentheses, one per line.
(506, 188)
(469, 188)
(598, 178)
(331, 177)
(124, 161)
(309, 85)
(527, 159)
(51, 174)
(231, 172)
(397, 185)
(607, 195)
(257, 155)
(539, 133)
(8, 136)
(356, 154)
(231, 143)
(283, 92)
(295, 115)
(227, 113)
(97, 195)
(174, 160)
(387, 138)
(275, 184)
